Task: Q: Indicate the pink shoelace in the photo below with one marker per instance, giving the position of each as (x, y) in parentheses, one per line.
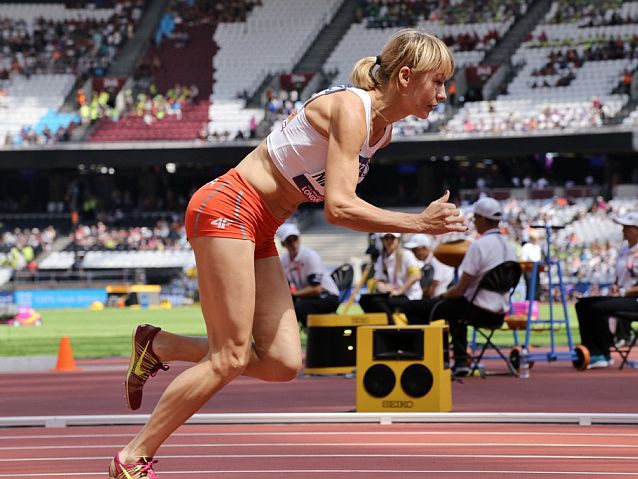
(146, 466)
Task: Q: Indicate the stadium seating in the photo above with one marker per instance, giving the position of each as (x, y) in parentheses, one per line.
(230, 117)
(117, 260)
(577, 92)
(269, 42)
(29, 100)
(132, 127)
(52, 11)
(247, 52)
(187, 64)
(361, 41)
(238, 55)
(46, 48)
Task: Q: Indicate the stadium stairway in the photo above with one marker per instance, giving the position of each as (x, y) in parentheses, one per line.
(327, 40)
(502, 53)
(315, 57)
(625, 111)
(335, 245)
(127, 59)
(58, 245)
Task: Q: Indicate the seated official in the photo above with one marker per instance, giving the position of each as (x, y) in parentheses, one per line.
(594, 312)
(396, 276)
(461, 304)
(435, 276)
(313, 291)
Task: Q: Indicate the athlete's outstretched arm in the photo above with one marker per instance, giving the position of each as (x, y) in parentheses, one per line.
(343, 207)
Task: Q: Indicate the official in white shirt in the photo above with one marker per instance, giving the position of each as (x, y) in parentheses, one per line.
(594, 312)
(397, 273)
(313, 291)
(531, 251)
(461, 304)
(436, 276)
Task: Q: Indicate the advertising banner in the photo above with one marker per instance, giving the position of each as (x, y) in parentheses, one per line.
(59, 298)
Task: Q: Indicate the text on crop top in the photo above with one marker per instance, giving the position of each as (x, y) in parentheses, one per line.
(299, 152)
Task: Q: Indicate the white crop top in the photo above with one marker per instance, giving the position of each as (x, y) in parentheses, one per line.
(300, 152)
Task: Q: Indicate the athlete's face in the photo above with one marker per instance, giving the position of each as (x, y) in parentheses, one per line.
(426, 90)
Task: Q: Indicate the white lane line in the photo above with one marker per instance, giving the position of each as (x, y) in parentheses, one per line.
(348, 471)
(345, 456)
(582, 419)
(330, 444)
(334, 433)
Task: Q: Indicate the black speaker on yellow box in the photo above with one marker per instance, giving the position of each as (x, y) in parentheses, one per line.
(403, 369)
(332, 340)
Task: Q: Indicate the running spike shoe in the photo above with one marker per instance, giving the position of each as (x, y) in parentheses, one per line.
(144, 364)
(142, 469)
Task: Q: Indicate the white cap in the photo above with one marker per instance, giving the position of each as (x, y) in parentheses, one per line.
(286, 230)
(628, 219)
(419, 240)
(488, 208)
(396, 235)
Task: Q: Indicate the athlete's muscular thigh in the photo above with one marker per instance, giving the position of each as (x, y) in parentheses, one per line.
(225, 270)
(275, 329)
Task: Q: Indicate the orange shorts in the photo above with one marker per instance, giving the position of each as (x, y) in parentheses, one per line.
(228, 207)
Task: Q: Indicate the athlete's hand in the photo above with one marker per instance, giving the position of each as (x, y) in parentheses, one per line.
(442, 217)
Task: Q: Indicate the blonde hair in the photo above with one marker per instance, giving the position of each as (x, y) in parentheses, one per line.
(420, 51)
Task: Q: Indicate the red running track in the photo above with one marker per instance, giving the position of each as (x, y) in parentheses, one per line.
(97, 389)
(335, 451)
(329, 451)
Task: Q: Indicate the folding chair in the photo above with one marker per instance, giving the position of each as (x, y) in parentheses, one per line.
(624, 351)
(503, 278)
(343, 276)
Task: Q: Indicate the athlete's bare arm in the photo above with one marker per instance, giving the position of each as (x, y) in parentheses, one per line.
(343, 207)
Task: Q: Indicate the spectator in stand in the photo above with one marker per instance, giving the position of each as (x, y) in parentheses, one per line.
(452, 91)
(252, 126)
(80, 97)
(594, 312)
(313, 291)
(78, 46)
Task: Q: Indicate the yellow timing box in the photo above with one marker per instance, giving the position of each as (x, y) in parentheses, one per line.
(133, 288)
(331, 341)
(403, 369)
(134, 295)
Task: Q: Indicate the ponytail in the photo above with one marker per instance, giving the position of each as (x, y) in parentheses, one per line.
(363, 74)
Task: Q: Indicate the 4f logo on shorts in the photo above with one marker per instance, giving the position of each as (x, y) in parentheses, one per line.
(221, 223)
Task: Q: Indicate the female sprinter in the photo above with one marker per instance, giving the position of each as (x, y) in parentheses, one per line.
(318, 154)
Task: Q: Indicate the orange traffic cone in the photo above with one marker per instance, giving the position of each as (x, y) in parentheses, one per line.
(65, 356)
